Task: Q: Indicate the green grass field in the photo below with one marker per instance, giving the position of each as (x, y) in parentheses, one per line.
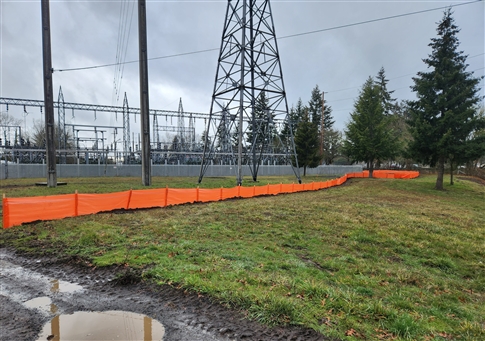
(372, 259)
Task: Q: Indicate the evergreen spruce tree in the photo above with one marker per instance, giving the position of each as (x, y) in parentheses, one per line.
(444, 116)
(399, 119)
(388, 102)
(294, 117)
(315, 107)
(332, 145)
(328, 120)
(261, 131)
(306, 143)
(368, 134)
(315, 111)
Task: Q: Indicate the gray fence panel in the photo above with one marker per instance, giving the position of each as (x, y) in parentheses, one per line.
(17, 171)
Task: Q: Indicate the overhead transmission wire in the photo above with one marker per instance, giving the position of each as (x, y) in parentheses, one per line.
(118, 47)
(279, 38)
(124, 30)
(397, 77)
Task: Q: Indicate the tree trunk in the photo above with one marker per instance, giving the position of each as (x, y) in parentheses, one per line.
(451, 173)
(304, 170)
(371, 168)
(441, 171)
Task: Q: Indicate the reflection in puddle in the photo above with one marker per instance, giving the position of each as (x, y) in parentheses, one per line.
(62, 286)
(106, 325)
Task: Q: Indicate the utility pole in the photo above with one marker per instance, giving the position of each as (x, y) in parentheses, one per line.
(144, 102)
(48, 96)
(322, 125)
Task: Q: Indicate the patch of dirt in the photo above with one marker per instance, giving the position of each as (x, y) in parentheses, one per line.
(185, 316)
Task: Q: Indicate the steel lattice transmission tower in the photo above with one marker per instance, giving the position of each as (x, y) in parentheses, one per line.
(249, 105)
(61, 125)
(181, 127)
(126, 131)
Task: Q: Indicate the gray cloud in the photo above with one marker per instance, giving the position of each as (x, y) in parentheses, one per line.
(85, 33)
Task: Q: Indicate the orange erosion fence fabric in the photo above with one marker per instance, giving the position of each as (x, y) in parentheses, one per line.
(17, 211)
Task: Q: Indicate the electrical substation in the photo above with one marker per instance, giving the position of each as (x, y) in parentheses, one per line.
(247, 124)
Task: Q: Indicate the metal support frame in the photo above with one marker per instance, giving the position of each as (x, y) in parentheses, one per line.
(191, 133)
(98, 108)
(61, 122)
(248, 69)
(126, 129)
(193, 148)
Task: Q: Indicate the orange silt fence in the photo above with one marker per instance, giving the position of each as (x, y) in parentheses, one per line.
(274, 189)
(208, 195)
(287, 188)
(17, 211)
(246, 192)
(148, 198)
(20, 210)
(176, 196)
(230, 193)
(94, 203)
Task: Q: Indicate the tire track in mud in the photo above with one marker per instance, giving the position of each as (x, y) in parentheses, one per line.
(184, 316)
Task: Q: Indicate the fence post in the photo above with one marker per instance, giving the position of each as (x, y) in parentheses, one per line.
(5, 212)
(166, 196)
(129, 199)
(76, 204)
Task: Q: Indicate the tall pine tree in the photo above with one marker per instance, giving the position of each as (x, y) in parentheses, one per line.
(306, 143)
(368, 134)
(315, 106)
(261, 131)
(444, 116)
(315, 113)
(294, 117)
(332, 145)
(315, 110)
(388, 102)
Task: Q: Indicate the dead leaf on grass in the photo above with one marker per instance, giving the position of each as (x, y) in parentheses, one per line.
(353, 332)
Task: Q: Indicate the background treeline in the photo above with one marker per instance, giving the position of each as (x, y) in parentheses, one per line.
(443, 128)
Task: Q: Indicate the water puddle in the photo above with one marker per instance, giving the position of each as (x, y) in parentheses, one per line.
(41, 303)
(106, 325)
(65, 287)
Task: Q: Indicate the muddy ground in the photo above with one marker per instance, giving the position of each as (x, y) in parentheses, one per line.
(185, 316)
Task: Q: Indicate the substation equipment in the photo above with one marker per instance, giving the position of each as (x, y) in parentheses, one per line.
(248, 123)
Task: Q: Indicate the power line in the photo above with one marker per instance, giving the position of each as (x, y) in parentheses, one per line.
(122, 48)
(136, 61)
(477, 55)
(284, 37)
(408, 74)
(376, 20)
(403, 87)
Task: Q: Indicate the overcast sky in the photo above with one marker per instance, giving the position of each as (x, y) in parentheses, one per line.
(86, 33)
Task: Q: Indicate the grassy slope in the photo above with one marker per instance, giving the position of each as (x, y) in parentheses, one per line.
(374, 259)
